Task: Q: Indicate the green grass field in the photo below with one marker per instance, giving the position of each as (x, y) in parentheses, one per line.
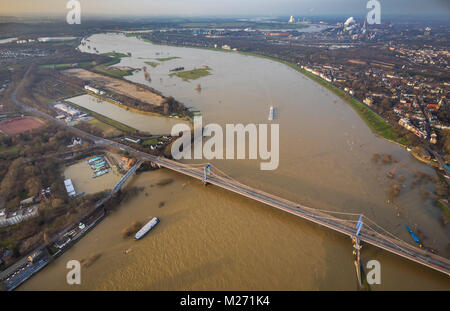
(108, 130)
(86, 64)
(115, 55)
(153, 64)
(112, 72)
(192, 74)
(134, 34)
(443, 207)
(9, 151)
(55, 66)
(82, 64)
(165, 59)
(150, 142)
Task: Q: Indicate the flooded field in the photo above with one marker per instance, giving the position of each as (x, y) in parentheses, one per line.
(212, 239)
(141, 122)
(117, 85)
(81, 175)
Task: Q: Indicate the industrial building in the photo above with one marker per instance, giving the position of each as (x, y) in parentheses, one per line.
(93, 90)
(69, 187)
(67, 109)
(134, 141)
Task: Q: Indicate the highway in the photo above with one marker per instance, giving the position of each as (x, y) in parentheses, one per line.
(368, 235)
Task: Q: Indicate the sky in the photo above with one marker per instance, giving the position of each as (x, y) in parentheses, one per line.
(222, 7)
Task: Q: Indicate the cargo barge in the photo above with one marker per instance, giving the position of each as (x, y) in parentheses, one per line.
(92, 160)
(146, 228)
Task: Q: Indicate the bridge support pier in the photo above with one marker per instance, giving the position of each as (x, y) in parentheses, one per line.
(155, 165)
(357, 252)
(357, 261)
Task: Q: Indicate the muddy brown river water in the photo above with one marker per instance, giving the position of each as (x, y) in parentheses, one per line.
(210, 239)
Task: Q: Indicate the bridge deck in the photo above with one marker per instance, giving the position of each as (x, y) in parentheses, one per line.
(119, 184)
(367, 235)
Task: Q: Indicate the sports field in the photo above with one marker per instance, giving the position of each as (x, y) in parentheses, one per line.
(19, 125)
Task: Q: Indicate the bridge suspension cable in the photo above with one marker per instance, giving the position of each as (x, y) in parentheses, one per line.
(397, 241)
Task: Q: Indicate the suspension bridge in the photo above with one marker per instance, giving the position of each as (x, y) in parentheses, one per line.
(359, 227)
(363, 229)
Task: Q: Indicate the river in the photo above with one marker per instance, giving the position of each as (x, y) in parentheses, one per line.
(211, 239)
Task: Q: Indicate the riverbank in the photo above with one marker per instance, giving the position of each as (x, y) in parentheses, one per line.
(428, 162)
(154, 114)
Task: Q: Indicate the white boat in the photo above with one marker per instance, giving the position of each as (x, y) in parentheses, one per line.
(271, 113)
(146, 228)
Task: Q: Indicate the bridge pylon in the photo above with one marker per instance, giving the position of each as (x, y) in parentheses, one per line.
(357, 252)
(206, 173)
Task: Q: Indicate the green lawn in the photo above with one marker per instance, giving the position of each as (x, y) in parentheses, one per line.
(108, 130)
(443, 207)
(111, 62)
(86, 64)
(112, 72)
(192, 74)
(82, 65)
(150, 142)
(134, 34)
(13, 150)
(55, 66)
(115, 55)
(165, 59)
(153, 64)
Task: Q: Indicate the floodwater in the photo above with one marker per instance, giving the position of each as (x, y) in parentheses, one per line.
(81, 175)
(212, 239)
(142, 122)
